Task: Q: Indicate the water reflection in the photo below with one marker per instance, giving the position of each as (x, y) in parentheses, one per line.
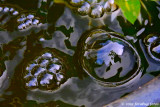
(31, 70)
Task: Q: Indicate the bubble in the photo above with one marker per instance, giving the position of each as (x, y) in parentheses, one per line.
(46, 79)
(1, 9)
(28, 22)
(42, 39)
(76, 2)
(84, 9)
(44, 62)
(96, 11)
(32, 83)
(6, 9)
(152, 42)
(152, 39)
(45, 72)
(108, 58)
(54, 67)
(107, 7)
(111, 1)
(31, 67)
(35, 22)
(22, 26)
(47, 55)
(11, 9)
(30, 16)
(59, 77)
(38, 71)
(15, 13)
(21, 19)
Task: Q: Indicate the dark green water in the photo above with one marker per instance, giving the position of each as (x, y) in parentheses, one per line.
(43, 60)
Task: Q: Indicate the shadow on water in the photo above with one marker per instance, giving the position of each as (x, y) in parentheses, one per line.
(41, 63)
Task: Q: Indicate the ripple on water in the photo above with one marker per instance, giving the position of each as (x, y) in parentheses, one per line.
(108, 58)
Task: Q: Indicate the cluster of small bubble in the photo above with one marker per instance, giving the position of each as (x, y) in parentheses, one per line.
(6, 13)
(46, 72)
(93, 8)
(27, 21)
(8, 9)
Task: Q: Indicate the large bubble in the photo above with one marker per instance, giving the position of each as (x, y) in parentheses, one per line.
(108, 58)
(152, 42)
